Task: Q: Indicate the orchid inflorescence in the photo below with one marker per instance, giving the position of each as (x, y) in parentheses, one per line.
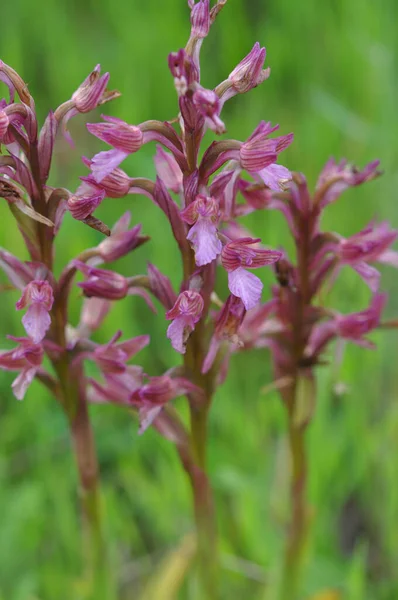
(203, 195)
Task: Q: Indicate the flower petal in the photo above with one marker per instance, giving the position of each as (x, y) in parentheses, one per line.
(275, 176)
(246, 286)
(205, 241)
(36, 322)
(178, 332)
(103, 163)
(370, 275)
(22, 382)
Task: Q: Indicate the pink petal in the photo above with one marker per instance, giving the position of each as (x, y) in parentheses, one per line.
(275, 176)
(211, 354)
(389, 257)
(370, 275)
(103, 163)
(178, 333)
(22, 382)
(206, 243)
(147, 415)
(246, 286)
(36, 322)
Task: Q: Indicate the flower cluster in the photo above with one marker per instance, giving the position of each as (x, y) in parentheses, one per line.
(293, 324)
(203, 193)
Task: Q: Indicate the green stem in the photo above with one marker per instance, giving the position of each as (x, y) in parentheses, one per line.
(93, 542)
(205, 517)
(204, 508)
(298, 527)
(74, 402)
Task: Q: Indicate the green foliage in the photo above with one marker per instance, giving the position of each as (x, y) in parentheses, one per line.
(334, 84)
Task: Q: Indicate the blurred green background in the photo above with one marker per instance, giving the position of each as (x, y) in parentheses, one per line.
(334, 84)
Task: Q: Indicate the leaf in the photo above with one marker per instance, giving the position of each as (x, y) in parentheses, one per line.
(169, 575)
(305, 400)
(30, 212)
(327, 595)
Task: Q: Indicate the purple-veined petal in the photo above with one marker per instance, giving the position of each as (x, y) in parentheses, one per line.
(205, 241)
(370, 275)
(147, 414)
(177, 333)
(275, 176)
(22, 382)
(36, 322)
(246, 286)
(389, 257)
(103, 163)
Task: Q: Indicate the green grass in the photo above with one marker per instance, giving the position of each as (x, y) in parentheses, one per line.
(334, 84)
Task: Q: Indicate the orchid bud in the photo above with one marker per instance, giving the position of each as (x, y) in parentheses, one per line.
(121, 241)
(168, 170)
(249, 73)
(4, 123)
(90, 93)
(101, 283)
(125, 139)
(117, 133)
(85, 201)
(115, 185)
(226, 328)
(209, 106)
(200, 19)
(112, 357)
(356, 325)
(161, 287)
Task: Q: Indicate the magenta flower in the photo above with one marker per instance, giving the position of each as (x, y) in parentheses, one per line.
(118, 387)
(11, 114)
(38, 297)
(203, 215)
(209, 107)
(335, 178)
(151, 397)
(353, 327)
(90, 93)
(121, 241)
(168, 170)
(184, 71)
(249, 73)
(369, 245)
(111, 358)
(4, 120)
(87, 198)
(101, 283)
(259, 154)
(200, 19)
(19, 273)
(185, 313)
(115, 185)
(228, 322)
(125, 139)
(26, 358)
(236, 256)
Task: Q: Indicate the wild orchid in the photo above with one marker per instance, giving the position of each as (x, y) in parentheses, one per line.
(203, 192)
